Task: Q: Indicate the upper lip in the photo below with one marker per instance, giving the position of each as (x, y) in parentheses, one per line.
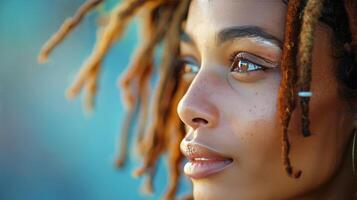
(195, 151)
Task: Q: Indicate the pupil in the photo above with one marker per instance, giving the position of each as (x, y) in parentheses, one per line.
(243, 66)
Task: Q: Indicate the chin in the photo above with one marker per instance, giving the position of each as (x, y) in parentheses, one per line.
(203, 190)
(207, 195)
(215, 190)
(222, 185)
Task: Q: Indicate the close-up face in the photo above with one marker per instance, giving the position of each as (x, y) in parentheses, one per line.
(232, 51)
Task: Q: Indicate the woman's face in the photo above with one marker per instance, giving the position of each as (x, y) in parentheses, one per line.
(234, 137)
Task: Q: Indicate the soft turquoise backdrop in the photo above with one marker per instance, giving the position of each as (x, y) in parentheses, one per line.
(48, 148)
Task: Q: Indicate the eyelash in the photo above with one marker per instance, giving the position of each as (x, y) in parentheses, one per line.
(238, 58)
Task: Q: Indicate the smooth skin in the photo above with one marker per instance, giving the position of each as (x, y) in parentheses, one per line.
(235, 113)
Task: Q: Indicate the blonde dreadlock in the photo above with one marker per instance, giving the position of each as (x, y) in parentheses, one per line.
(66, 28)
(311, 16)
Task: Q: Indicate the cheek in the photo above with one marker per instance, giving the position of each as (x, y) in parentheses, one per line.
(255, 105)
(254, 123)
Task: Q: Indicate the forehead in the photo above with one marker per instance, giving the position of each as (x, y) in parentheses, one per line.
(211, 16)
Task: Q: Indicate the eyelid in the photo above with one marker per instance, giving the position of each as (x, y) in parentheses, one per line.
(188, 60)
(254, 59)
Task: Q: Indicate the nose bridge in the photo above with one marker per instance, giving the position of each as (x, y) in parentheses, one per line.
(198, 106)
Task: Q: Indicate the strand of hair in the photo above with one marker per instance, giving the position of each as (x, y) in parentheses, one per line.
(111, 32)
(174, 156)
(286, 93)
(123, 139)
(310, 19)
(66, 28)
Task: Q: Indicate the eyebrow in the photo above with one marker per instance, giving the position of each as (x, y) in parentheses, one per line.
(231, 33)
(236, 32)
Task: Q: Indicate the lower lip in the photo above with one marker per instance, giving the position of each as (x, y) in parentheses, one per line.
(202, 169)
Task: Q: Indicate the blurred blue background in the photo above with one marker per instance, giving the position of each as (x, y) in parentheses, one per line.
(48, 148)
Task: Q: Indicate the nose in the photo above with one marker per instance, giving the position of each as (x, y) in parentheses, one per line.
(197, 108)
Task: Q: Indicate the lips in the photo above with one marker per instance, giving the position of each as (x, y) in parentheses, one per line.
(203, 161)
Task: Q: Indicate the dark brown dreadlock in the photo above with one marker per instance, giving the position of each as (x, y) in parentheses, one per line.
(161, 24)
(288, 68)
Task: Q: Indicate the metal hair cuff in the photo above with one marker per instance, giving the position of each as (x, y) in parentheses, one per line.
(305, 94)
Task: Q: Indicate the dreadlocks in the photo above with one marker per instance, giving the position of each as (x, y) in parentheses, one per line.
(161, 22)
(287, 98)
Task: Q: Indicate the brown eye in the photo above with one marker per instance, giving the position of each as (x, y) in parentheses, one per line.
(244, 62)
(244, 66)
(190, 66)
(189, 69)
(247, 67)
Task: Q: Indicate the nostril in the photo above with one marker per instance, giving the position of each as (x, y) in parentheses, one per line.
(198, 120)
